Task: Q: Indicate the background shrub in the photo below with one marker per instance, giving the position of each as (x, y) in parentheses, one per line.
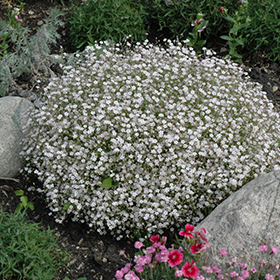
(99, 20)
(148, 139)
(264, 30)
(177, 15)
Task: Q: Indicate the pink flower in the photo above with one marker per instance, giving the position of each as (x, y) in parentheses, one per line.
(269, 277)
(188, 229)
(263, 248)
(131, 276)
(233, 274)
(175, 257)
(148, 259)
(198, 23)
(239, 278)
(216, 269)
(119, 274)
(201, 234)
(245, 274)
(207, 269)
(138, 244)
(151, 250)
(139, 268)
(17, 18)
(223, 252)
(220, 276)
(232, 261)
(274, 250)
(163, 239)
(122, 252)
(190, 269)
(222, 9)
(242, 265)
(155, 238)
(199, 248)
(162, 256)
(253, 270)
(126, 268)
(179, 273)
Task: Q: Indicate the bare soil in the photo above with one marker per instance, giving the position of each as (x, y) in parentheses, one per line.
(94, 256)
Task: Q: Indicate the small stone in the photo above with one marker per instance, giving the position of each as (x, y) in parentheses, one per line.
(223, 50)
(275, 88)
(98, 258)
(104, 260)
(30, 12)
(40, 23)
(278, 93)
(80, 266)
(72, 261)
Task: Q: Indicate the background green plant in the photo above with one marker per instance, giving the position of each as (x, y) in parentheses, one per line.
(107, 20)
(240, 21)
(264, 30)
(176, 15)
(26, 251)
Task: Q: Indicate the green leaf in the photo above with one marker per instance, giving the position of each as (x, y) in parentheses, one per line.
(19, 192)
(225, 37)
(30, 205)
(19, 207)
(107, 184)
(66, 206)
(24, 200)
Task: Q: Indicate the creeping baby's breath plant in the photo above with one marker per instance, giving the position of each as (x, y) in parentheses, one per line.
(150, 138)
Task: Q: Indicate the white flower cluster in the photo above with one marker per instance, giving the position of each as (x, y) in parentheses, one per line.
(176, 134)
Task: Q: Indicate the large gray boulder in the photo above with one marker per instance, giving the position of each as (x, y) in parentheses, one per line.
(245, 221)
(13, 116)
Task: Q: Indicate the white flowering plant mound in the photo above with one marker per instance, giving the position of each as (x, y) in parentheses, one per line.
(149, 138)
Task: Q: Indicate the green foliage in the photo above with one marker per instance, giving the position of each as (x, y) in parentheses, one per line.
(27, 53)
(264, 30)
(235, 37)
(26, 251)
(24, 202)
(177, 15)
(107, 20)
(198, 26)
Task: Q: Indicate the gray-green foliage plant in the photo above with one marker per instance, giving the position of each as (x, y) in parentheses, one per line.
(107, 20)
(27, 252)
(28, 53)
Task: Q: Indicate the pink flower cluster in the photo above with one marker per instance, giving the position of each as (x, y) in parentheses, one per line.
(157, 254)
(198, 23)
(245, 269)
(16, 12)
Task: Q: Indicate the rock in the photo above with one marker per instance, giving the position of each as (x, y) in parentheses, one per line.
(12, 119)
(246, 220)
